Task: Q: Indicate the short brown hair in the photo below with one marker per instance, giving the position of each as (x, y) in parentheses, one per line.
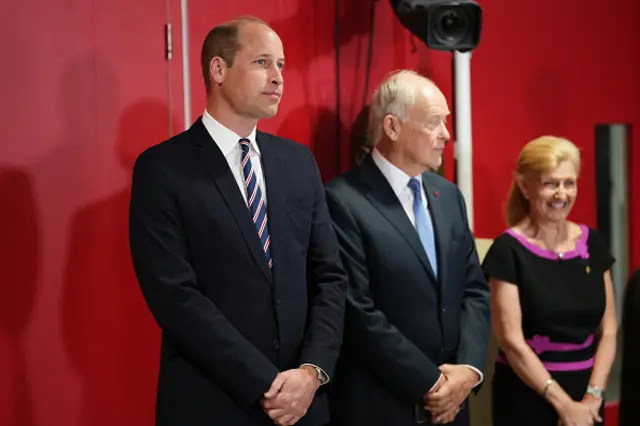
(223, 41)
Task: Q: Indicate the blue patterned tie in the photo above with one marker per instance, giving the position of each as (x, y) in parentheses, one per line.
(424, 224)
(256, 202)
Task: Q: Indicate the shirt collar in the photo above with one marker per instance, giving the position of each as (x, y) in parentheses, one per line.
(226, 139)
(397, 178)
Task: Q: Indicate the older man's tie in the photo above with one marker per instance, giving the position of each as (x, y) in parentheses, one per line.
(256, 202)
(424, 224)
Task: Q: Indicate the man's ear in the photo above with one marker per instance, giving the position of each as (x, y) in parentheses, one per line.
(217, 70)
(391, 126)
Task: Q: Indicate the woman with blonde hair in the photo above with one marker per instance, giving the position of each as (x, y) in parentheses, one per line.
(552, 298)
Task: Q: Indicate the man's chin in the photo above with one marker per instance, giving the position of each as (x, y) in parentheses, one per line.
(435, 165)
(269, 112)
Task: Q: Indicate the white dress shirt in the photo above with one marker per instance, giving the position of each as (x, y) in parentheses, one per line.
(229, 143)
(399, 182)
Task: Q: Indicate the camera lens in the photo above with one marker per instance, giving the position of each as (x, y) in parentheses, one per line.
(451, 26)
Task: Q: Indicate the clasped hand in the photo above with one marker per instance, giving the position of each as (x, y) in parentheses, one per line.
(583, 413)
(445, 399)
(290, 396)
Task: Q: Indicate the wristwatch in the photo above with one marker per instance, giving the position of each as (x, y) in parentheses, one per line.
(595, 392)
(321, 375)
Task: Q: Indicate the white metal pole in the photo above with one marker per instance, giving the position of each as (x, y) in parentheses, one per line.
(462, 147)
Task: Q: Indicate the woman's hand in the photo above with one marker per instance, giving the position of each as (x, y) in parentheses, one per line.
(594, 403)
(579, 414)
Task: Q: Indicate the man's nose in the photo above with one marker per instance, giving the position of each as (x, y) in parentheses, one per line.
(276, 76)
(445, 133)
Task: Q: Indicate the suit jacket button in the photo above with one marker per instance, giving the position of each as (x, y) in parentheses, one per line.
(278, 301)
(276, 344)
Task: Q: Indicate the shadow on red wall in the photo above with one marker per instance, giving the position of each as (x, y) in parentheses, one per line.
(353, 22)
(19, 261)
(309, 35)
(316, 128)
(110, 334)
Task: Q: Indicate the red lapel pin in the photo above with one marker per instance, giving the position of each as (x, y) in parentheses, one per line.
(435, 193)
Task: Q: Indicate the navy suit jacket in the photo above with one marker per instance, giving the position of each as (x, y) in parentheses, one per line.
(229, 323)
(402, 322)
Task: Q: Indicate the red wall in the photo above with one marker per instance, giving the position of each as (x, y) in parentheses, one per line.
(83, 92)
(88, 88)
(553, 67)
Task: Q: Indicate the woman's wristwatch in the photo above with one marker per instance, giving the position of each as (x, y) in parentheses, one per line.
(595, 392)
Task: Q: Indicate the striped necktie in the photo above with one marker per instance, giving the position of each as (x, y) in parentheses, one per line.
(257, 206)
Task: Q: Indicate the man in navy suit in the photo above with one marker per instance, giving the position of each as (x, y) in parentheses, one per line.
(235, 252)
(417, 320)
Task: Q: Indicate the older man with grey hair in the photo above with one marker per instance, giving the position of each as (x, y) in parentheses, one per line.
(417, 324)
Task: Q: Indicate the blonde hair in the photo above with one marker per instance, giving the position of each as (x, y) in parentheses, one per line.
(394, 96)
(537, 157)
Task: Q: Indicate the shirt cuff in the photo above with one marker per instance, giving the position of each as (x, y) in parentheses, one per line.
(436, 383)
(325, 377)
(477, 371)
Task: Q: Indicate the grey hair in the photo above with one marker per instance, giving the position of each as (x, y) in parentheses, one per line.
(394, 96)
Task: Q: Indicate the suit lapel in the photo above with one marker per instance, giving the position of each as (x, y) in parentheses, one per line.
(440, 225)
(216, 164)
(385, 200)
(273, 168)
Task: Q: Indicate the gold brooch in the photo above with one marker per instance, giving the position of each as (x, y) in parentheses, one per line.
(588, 269)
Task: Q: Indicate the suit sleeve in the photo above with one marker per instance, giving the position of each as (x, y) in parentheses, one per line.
(476, 319)
(386, 351)
(327, 284)
(187, 318)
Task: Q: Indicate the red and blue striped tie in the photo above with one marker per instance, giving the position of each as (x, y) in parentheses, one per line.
(257, 206)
